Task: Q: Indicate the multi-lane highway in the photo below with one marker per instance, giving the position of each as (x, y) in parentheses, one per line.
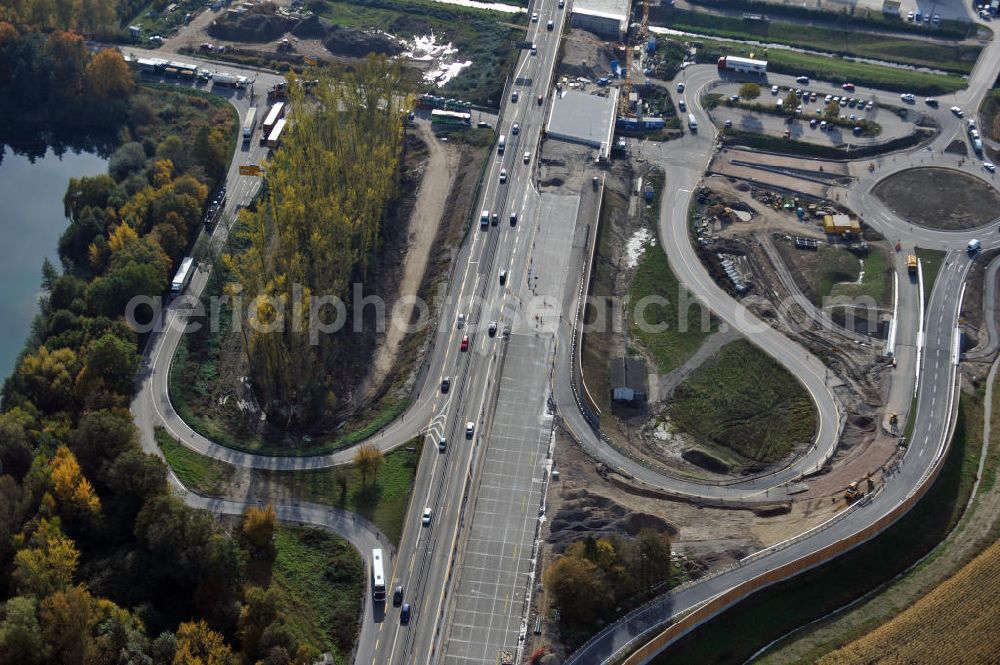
(466, 574)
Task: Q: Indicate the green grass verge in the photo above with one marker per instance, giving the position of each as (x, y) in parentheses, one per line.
(837, 265)
(382, 500)
(659, 298)
(744, 401)
(320, 579)
(201, 474)
(839, 70)
(805, 149)
(736, 634)
(486, 38)
(931, 261)
(876, 282)
(848, 41)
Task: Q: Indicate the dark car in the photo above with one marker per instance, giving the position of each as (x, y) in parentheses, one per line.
(404, 614)
(397, 596)
(445, 384)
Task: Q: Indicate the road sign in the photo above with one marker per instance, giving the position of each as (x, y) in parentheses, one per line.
(249, 169)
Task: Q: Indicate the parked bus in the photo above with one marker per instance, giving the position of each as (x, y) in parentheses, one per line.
(249, 123)
(273, 116)
(378, 577)
(183, 276)
(451, 118)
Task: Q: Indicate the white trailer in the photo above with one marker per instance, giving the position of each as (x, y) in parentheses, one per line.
(731, 63)
(249, 123)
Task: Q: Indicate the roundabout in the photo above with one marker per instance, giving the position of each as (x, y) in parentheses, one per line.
(937, 198)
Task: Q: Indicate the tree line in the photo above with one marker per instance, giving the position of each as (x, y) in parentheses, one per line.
(99, 563)
(596, 578)
(315, 231)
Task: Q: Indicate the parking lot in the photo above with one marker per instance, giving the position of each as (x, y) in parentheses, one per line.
(489, 602)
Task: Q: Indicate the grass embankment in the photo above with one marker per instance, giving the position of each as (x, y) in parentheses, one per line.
(785, 146)
(876, 283)
(963, 609)
(670, 306)
(735, 635)
(990, 112)
(839, 70)
(202, 474)
(860, 19)
(744, 401)
(320, 579)
(931, 261)
(848, 41)
(486, 38)
(382, 500)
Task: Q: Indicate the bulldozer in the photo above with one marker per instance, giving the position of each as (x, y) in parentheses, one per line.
(853, 492)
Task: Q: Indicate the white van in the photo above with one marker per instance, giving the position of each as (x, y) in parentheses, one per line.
(974, 246)
(692, 122)
(484, 220)
(501, 144)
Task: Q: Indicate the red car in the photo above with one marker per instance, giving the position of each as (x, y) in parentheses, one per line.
(465, 342)
(849, 87)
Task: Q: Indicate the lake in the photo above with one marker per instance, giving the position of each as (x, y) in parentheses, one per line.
(31, 221)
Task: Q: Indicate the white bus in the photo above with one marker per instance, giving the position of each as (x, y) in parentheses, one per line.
(378, 577)
(249, 123)
(183, 275)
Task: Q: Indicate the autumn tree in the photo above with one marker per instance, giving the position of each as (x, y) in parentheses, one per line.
(66, 620)
(579, 589)
(46, 563)
(259, 525)
(112, 361)
(49, 377)
(750, 91)
(197, 644)
(108, 77)
(791, 102)
(74, 493)
(832, 110)
(368, 458)
(315, 230)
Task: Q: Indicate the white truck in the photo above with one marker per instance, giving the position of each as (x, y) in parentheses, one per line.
(250, 123)
(229, 80)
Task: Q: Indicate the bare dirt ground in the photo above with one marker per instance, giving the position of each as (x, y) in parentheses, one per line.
(439, 173)
(583, 502)
(939, 198)
(745, 165)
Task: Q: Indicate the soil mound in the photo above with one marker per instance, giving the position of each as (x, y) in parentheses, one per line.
(355, 43)
(257, 28)
(585, 514)
(311, 28)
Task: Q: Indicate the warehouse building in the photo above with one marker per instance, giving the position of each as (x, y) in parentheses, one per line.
(608, 18)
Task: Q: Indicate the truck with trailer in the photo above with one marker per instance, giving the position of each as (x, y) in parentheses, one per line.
(227, 80)
(273, 116)
(249, 123)
(274, 138)
(737, 65)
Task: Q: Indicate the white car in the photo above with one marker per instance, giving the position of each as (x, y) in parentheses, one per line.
(680, 87)
(957, 111)
(461, 321)
(534, 17)
(527, 157)
(426, 519)
(989, 166)
(503, 175)
(908, 98)
(515, 129)
(828, 99)
(470, 429)
(774, 89)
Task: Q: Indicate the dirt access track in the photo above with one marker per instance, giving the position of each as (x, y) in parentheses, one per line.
(939, 198)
